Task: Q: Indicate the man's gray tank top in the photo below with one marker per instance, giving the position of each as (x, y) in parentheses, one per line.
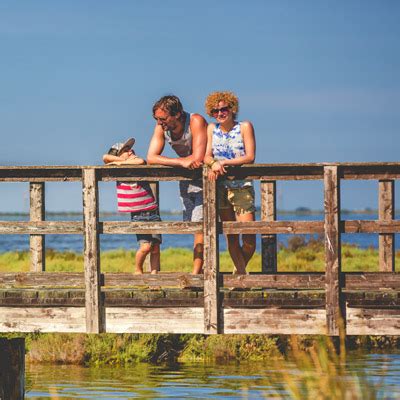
(183, 147)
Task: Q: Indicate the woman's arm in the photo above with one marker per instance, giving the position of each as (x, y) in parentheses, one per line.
(116, 160)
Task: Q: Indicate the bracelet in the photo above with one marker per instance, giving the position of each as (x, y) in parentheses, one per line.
(212, 163)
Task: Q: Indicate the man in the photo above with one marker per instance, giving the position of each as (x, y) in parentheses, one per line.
(187, 135)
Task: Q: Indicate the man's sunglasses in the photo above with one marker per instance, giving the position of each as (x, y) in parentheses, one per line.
(216, 111)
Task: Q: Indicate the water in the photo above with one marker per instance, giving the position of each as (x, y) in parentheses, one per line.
(194, 381)
(110, 242)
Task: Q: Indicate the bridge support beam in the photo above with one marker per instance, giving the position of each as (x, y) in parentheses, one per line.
(12, 369)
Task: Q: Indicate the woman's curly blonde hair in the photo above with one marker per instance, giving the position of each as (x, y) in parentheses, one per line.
(229, 98)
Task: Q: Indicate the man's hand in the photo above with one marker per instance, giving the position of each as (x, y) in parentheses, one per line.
(190, 163)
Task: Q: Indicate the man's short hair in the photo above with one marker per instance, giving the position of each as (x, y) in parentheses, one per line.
(169, 103)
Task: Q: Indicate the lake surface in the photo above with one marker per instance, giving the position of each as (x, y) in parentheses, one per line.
(194, 381)
(110, 242)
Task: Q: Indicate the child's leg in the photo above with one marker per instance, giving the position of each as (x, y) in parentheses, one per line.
(155, 257)
(141, 254)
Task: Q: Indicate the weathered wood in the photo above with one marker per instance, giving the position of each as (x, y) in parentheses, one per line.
(275, 321)
(273, 227)
(314, 280)
(91, 253)
(37, 213)
(127, 228)
(369, 226)
(269, 249)
(150, 320)
(275, 281)
(150, 173)
(12, 369)
(372, 281)
(386, 213)
(43, 319)
(334, 314)
(40, 174)
(41, 228)
(366, 321)
(167, 279)
(212, 320)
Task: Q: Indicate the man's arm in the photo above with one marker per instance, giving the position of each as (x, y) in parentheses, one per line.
(198, 127)
(156, 147)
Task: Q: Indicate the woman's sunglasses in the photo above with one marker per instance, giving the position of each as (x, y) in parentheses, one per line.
(216, 111)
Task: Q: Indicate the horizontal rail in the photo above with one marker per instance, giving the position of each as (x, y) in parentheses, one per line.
(284, 281)
(308, 171)
(173, 227)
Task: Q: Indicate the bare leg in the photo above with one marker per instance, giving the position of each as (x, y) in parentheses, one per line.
(155, 258)
(198, 258)
(141, 256)
(249, 241)
(235, 250)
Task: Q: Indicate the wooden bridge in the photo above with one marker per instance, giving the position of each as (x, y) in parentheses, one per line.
(269, 302)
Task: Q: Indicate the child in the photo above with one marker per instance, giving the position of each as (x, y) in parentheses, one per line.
(137, 198)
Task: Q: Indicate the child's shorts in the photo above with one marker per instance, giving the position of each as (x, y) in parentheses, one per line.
(241, 199)
(147, 216)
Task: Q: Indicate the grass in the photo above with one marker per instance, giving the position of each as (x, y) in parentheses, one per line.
(297, 256)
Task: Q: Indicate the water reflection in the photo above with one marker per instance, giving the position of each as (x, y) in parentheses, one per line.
(195, 381)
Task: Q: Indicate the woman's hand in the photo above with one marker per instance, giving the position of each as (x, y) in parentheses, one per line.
(212, 176)
(219, 167)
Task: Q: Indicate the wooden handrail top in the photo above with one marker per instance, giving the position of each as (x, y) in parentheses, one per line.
(288, 171)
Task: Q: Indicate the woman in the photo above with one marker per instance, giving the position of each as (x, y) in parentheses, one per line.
(230, 142)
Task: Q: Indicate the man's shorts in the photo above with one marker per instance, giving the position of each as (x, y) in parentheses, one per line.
(241, 199)
(147, 216)
(192, 200)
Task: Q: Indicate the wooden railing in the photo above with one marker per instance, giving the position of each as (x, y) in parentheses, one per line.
(211, 307)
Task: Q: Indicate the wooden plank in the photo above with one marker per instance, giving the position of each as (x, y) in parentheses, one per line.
(40, 279)
(269, 249)
(332, 249)
(372, 281)
(155, 320)
(365, 321)
(166, 279)
(12, 369)
(40, 174)
(273, 227)
(386, 213)
(41, 228)
(212, 320)
(150, 173)
(274, 321)
(42, 319)
(37, 213)
(275, 281)
(316, 280)
(91, 252)
(370, 226)
(128, 228)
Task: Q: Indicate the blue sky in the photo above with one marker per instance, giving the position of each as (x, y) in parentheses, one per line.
(320, 80)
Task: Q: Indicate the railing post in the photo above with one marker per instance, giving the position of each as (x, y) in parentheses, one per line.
(37, 213)
(93, 303)
(386, 213)
(212, 317)
(334, 314)
(268, 213)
